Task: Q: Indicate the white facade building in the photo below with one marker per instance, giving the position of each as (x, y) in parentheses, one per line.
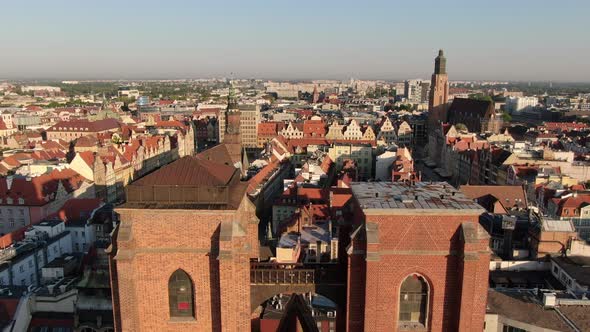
(520, 104)
(22, 263)
(383, 165)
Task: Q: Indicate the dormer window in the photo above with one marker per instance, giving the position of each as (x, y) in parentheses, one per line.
(21, 201)
(8, 200)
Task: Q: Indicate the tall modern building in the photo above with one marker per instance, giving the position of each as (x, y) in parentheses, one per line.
(515, 105)
(413, 91)
(439, 90)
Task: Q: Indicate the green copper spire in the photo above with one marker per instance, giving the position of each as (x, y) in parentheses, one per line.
(440, 64)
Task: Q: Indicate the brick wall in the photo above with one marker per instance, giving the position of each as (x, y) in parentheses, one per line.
(432, 246)
(152, 244)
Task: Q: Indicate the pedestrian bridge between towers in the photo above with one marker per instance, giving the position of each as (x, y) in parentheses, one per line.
(269, 279)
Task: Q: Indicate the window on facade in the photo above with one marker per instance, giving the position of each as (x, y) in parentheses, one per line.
(21, 268)
(413, 300)
(180, 294)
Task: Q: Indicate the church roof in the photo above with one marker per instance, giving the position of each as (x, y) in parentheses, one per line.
(218, 153)
(470, 106)
(191, 171)
(191, 182)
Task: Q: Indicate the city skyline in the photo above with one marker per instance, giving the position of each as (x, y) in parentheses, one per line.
(526, 41)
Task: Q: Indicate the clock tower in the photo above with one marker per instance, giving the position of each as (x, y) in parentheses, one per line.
(439, 91)
(232, 138)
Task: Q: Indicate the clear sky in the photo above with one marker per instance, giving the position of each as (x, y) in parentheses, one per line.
(295, 39)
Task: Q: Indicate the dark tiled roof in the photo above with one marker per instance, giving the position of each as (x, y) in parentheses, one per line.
(465, 105)
(579, 315)
(523, 306)
(218, 153)
(190, 171)
(578, 267)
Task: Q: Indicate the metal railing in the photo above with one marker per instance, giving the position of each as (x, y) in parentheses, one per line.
(294, 274)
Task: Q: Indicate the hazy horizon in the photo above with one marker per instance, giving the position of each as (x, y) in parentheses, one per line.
(510, 41)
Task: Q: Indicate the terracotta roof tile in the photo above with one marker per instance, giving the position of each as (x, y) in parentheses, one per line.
(508, 196)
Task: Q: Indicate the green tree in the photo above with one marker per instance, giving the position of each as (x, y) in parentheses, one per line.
(54, 104)
(461, 127)
(480, 96)
(506, 117)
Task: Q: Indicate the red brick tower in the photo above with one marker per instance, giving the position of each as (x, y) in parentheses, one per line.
(181, 252)
(418, 259)
(315, 97)
(439, 90)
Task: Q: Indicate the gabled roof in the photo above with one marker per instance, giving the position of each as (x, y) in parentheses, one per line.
(87, 141)
(191, 171)
(218, 153)
(268, 128)
(508, 196)
(78, 209)
(262, 175)
(470, 106)
(85, 125)
(170, 124)
(39, 190)
(87, 157)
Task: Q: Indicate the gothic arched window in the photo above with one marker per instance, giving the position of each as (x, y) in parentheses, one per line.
(413, 300)
(180, 294)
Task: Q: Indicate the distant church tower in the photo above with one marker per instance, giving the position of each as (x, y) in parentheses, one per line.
(315, 97)
(439, 90)
(232, 138)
